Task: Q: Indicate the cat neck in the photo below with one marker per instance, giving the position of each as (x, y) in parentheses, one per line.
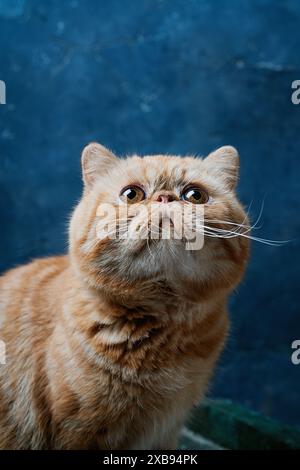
(157, 297)
(147, 298)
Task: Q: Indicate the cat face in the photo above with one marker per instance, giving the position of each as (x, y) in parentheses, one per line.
(159, 217)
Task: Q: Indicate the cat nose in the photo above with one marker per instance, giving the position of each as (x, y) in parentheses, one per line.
(164, 196)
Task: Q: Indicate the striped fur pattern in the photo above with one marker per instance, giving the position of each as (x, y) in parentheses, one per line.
(109, 346)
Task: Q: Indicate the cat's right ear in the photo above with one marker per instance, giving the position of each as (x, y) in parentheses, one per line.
(95, 160)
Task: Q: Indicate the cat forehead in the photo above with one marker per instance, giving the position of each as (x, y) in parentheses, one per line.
(161, 169)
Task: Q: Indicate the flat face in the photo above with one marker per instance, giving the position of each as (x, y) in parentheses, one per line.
(176, 218)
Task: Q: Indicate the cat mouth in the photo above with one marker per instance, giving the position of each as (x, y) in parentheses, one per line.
(164, 228)
(165, 224)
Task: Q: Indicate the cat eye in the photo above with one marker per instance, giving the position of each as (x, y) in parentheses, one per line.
(132, 194)
(195, 196)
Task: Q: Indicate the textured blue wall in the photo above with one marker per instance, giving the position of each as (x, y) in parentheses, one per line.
(163, 76)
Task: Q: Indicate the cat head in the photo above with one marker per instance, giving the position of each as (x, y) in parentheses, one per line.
(159, 219)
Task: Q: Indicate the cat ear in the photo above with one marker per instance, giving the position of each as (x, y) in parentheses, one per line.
(224, 163)
(95, 160)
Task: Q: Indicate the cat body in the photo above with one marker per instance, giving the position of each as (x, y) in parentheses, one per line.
(110, 346)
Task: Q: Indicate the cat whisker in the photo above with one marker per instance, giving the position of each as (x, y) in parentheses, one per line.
(220, 233)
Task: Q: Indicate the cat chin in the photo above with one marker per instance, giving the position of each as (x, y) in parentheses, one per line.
(160, 252)
(151, 258)
(134, 260)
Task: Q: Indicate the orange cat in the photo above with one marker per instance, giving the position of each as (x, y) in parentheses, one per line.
(110, 346)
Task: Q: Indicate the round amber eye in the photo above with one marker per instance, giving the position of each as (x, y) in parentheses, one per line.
(132, 194)
(195, 195)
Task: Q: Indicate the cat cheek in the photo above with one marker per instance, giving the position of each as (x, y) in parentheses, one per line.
(210, 202)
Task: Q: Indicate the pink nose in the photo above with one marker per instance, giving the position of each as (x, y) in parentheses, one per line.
(164, 197)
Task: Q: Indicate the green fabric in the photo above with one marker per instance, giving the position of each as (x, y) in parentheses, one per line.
(234, 427)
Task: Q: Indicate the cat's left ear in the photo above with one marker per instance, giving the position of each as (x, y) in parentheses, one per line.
(224, 163)
(96, 160)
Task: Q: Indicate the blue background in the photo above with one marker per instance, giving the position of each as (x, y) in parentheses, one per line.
(182, 76)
